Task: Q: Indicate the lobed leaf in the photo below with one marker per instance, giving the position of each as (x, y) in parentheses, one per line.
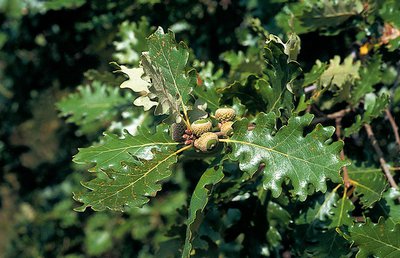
(130, 186)
(198, 203)
(311, 15)
(306, 161)
(165, 63)
(369, 184)
(374, 106)
(92, 106)
(381, 239)
(370, 75)
(113, 151)
(340, 73)
(280, 71)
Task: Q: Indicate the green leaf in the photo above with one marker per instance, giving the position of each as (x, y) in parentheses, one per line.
(327, 243)
(247, 92)
(60, 4)
(370, 75)
(113, 150)
(130, 186)
(92, 106)
(369, 184)
(380, 240)
(374, 106)
(341, 213)
(334, 211)
(197, 204)
(132, 41)
(311, 15)
(209, 96)
(165, 64)
(319, 222)
(278, 219)
(306, 161)
(280, 70)
(339, 74)
(389, 12)
(313, 76)
(388, 204)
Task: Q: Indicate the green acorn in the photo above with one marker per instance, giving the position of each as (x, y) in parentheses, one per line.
(201, 126)
(225, 114)
(177, 131)
(226, 128)
(206, 142)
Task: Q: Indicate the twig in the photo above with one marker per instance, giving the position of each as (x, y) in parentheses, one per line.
(378, 151)
(394, 127)
(338, 114)
(346, 178)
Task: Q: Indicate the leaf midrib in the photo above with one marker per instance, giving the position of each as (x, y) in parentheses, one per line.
(377, 240)
(143, 175)
(275, 151)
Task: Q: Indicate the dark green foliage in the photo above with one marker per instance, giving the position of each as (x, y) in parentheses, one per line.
(298, 177)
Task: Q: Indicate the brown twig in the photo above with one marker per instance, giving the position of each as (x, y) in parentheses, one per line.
(378, 151)
(394, 127)
(335, 115)
(346, 178)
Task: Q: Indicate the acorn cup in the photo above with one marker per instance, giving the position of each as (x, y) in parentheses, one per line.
(225, 114)
(207, 142)
(226, 128)
(200, 127)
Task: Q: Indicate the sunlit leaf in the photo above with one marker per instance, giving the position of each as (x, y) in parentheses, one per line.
(307, 161)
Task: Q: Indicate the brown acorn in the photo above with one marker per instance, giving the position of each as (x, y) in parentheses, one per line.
(177, 131)
(201, 126)
(226, 128)
(206, 142)
(225, 114)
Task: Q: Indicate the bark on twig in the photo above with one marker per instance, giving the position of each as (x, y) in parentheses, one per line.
(394, 127)
(378, 151)
(346, 178)
(338, 114)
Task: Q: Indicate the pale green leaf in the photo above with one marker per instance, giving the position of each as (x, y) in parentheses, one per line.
(340, 73)
(306, 161)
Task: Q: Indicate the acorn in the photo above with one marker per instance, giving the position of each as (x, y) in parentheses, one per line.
(177, 131)
(201, 126)
(225, 114)
(206, 142)
(226, 128)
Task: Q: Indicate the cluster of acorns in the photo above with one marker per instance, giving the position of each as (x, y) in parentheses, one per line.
(200, 133)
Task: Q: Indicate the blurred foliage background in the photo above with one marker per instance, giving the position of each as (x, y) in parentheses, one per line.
(49, 48)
